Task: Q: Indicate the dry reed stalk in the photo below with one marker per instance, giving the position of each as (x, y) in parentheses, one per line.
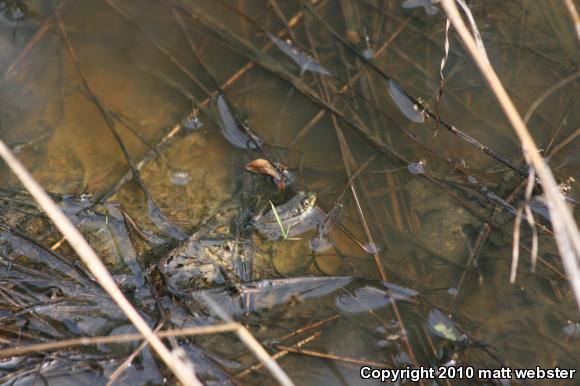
(318, 354)
(86, 341)
(565, 228)
(574, 15)
(181, 367)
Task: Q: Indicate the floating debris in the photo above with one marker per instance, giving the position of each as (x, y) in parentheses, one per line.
(16, 11)
(192, 122)
(452, 291)
(266, 294)
(399, 292)
(369, 298)
(428, 5)
(538, 205)
(572, 330)
(441, 326)
(349, 295)
(239, 137)
(303, 60)
(180, 178)
(472, 179)
(416, 168)
(404, 103)
(162, 223)
(368, 53)
(278, 174)
(506, 205)
(372, 248)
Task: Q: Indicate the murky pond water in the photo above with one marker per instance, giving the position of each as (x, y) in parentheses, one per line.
(369, 234)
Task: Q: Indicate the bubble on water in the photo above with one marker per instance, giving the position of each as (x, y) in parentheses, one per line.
(180, 178)
(452, 291)
(381, 330)
(372, 248)
(192, 122)
(416, 167)
(572, 330)
(368, 54)
(16, 12)
(428, 5)
(383, 343)
(402, 358)
(320, 244)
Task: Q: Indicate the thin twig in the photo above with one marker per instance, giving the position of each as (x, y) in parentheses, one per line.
(333, 357)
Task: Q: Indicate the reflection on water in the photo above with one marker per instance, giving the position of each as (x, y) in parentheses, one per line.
(198, 90)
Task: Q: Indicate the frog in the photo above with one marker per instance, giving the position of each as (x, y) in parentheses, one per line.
(207, 262)
(298, 206)
(223, 252)
(220, 253)
(299, 214)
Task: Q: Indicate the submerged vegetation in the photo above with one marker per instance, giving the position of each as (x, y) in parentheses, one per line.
(285, 191)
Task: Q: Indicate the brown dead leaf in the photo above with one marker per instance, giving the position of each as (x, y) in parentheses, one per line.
(265, 168)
